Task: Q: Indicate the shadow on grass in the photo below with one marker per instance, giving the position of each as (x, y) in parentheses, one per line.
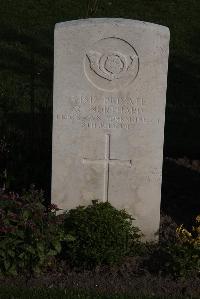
(55, 293)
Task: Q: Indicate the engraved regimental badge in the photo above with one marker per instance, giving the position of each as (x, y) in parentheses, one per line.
(111, 63)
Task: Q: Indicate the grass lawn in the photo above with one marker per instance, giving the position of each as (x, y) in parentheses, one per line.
(36, 293)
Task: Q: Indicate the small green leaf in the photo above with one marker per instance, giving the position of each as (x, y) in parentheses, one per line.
(20, 234)
(12, 270)
(6, 265)
(26, 214)
(57, 246)
(69, 238)
(11, 253)
(30, 249)
(51, 252)
(40, 247)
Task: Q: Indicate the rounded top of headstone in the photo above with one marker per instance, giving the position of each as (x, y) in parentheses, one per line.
(113, 21)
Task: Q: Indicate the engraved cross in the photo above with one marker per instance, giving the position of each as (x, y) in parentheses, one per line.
(106, 162)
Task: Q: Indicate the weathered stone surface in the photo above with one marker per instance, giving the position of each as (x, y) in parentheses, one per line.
(110, 82)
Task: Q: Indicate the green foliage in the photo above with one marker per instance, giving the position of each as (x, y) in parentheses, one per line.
(100, 235)
(30, 234)
(179, 254)
(33, 237)
(192, 238)
(56, 293)
(186, 253)
(183, 257)
(181, 260)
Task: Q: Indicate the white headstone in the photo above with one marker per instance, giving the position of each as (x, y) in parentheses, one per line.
(110, 79)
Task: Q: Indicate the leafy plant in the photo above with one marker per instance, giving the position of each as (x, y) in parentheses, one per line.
(185, 254)
(179, 256)
(100, 235)
(190, 247)
(192, 238)
(30, 233)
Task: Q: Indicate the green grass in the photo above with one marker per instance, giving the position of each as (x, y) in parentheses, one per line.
(36, 293)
